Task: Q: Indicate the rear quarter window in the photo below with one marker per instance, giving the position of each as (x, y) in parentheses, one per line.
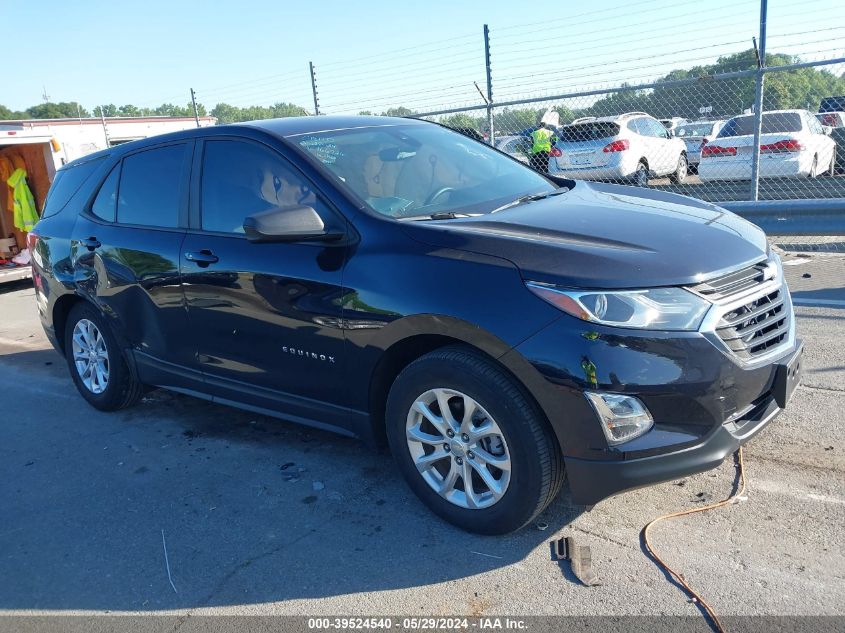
(65, 185)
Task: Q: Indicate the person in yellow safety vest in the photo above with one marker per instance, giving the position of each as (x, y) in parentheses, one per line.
(541, 147)
(25, 214)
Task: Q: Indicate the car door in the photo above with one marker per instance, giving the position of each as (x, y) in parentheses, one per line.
(265, 318)
(126, 246)
(663, 157)
(821, 144)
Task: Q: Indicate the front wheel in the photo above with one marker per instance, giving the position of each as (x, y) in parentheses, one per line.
(96, 362)
(470, 444)
(679, 176)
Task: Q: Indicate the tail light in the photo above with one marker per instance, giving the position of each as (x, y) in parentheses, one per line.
(617, 146)
(786, 145)
(555, 152)
(717, 150)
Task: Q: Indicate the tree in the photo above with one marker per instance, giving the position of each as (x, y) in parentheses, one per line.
(63, 110)
(400, 111)
(463, 120)
(6, 114)
(106, 110)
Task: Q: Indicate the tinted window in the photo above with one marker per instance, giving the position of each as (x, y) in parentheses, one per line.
(418, 169)
(832, 104)
(655, 128)
(105, 204)
(66, 184)
(773, 123)
(150, 187)
(591, 131)
(241, 178)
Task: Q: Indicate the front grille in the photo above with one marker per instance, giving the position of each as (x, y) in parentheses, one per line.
(733, 284)
(758, 324)
(755, 327)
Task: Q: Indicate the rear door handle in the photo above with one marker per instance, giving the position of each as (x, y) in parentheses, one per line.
(202, 258)
(91, 243)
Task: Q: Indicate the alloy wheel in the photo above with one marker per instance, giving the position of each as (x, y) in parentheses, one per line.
(90, 356)
(458, 448)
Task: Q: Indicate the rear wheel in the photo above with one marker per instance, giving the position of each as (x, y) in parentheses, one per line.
(470, 444)
(814, 168)
(96, 362)
(641, 175)
(831, 170)
(679, 176)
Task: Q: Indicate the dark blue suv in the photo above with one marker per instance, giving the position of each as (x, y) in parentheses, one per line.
(391, 279)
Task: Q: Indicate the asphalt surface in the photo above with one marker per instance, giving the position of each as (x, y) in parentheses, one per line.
(264, 517)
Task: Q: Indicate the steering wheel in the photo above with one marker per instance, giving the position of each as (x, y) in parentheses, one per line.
(434, 196)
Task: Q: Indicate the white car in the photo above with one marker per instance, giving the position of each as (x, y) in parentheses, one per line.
(628, 147)
(792, 144)
(519, 147)
(696, 135)
(672, 123)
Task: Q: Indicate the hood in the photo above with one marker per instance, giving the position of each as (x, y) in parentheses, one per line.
(607, 236)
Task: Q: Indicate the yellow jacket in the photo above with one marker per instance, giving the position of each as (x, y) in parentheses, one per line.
(25, 213)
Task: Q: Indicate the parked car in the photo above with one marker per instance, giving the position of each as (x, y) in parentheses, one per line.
(832, 104)
(792, 144)
(517, 146)
(836, 122)
(695, 136)
(624, 148)
(385, 277)
(672, 123)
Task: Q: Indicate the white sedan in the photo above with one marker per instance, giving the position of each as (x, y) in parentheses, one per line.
(792, 144)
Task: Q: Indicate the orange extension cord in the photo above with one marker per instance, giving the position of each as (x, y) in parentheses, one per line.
(674, 574)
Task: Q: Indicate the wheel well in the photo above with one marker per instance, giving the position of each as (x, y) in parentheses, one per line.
(644, 162)
(60, 311)
(405, 352)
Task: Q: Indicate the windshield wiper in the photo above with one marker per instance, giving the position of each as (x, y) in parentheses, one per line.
(441, 215)
(531, 197)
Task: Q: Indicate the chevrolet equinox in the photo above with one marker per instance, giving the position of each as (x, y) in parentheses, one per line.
(391, 279)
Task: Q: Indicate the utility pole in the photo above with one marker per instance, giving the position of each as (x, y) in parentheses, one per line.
(194, 103)
(105, 129)
(314, 88)
(758, 103)
(489, 71)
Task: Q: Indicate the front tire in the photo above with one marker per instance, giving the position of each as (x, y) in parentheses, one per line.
(679, 176)
(490, 463)
(96, 363)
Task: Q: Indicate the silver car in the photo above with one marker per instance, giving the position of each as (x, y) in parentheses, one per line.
(624, 148)
(696, 135)
(519, 147)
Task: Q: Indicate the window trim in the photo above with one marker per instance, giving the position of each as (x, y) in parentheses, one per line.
(194, 224)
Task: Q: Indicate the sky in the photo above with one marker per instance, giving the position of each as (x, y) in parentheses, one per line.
(371, 55)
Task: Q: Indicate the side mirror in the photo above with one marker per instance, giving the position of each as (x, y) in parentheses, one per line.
(827, 129)
(288, 224)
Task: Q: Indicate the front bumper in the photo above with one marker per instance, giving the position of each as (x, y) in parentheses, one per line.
(705, 402)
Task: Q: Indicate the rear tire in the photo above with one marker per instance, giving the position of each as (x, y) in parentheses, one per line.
(641, 175)
(96, 362)
(679, 176)
(506, 428)
(814, 168)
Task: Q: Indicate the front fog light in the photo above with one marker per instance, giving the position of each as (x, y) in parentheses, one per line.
(622, 417)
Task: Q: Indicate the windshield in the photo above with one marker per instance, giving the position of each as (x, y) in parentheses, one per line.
(698, 129)
(773, 123)
(417, 170)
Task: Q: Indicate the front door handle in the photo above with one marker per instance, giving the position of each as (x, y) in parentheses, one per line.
(202, 258)
(91, 243)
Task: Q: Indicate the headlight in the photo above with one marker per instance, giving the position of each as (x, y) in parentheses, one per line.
(652, 309)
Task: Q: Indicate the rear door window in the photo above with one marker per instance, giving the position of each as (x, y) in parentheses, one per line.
(67, 182)
(591, 131)
(150, 189)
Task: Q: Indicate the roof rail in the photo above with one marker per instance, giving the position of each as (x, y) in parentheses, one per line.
(583, 119)
(635, 114)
